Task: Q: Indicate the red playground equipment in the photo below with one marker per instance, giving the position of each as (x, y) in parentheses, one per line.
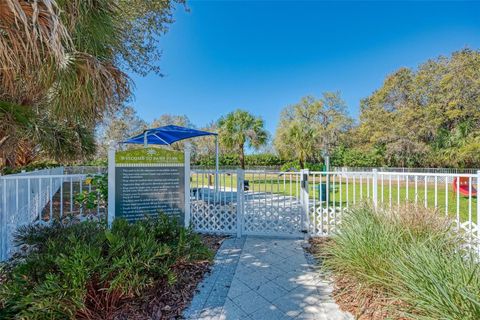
(464, 187)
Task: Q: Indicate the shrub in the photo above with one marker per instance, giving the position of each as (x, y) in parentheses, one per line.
(30, 167)
(351, 157)
(412, 256)
(263, 160)
(438, 283)
(68, 262)
(98, 194)
(288, 166)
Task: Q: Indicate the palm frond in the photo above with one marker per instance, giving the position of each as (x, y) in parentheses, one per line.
(31, 36)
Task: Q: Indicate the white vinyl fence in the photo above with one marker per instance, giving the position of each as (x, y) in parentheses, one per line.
(257, 202)
(450, 195)
(38, 196)
(292, 203)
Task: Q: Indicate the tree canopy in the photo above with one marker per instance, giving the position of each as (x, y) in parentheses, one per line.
(426, 117)
(311, 127)
(240, 129)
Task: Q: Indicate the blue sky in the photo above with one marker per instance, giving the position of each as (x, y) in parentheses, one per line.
(264, 55)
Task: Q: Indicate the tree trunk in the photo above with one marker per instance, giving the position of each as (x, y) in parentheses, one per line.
(302, 164)
(242, 157)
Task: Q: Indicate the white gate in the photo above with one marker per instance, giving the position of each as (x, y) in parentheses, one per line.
(214, 203)
(272, 204)
(248, 202)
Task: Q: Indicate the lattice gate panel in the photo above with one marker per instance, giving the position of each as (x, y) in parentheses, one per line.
(272, 214)
(213, 218)
(213, 201)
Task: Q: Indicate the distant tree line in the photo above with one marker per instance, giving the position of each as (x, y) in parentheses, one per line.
(232, 160)
(428, 117)
(423, 117)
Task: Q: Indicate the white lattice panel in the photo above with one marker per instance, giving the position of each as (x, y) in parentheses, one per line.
(216, 218)
(325, 220)
(469, 231)
(272, 214)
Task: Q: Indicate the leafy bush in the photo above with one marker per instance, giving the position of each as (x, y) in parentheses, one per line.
(98, 195)
(412, 256)
(30, 167)
(350, 157)
(295, 165)
(71, 264)
(263, 159)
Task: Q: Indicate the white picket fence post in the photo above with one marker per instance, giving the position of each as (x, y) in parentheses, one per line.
(240, 195)
(111, 183)
(375, 188)
(3, 225)
(187, 185)
(478, 212)
(304, 199)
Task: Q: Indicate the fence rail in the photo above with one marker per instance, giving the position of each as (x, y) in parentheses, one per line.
(409, 170)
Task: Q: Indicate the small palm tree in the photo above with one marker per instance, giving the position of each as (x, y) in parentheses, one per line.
(240, 128)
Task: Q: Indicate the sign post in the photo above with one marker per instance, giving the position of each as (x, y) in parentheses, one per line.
(146, 182)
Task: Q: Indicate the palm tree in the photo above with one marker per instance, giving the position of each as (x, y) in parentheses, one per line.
(60, 65)
(56, 83)
(240, 128)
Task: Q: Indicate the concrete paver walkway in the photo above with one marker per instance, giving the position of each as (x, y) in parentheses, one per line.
(264, 278)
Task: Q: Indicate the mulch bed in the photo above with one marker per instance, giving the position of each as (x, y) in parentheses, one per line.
(363, 303)
(162, 301)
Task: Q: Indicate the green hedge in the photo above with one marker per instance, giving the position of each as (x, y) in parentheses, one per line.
(351, 157)
(251, 160)
(295, 165)
(30, 167)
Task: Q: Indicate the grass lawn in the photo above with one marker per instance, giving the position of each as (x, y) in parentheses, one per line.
(445, 200)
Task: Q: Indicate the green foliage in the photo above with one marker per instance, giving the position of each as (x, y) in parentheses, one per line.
(98, 195)
(295, 165)
(263, 159)
(425, 117)
(412, 256)
(239, 129)
(30, 167)
(73, 71)
(350, 157)
(100, 162)
(251, 160)
(311, 127)
(52, 281)
(118, 126)
(142, 24)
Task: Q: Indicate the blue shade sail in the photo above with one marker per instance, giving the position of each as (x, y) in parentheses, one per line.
(167, 135)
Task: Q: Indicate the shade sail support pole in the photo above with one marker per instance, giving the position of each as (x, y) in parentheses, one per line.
(145, 140)
(216, 163)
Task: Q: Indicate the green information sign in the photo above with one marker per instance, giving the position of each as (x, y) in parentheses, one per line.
(149, 156)
(149, 181)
